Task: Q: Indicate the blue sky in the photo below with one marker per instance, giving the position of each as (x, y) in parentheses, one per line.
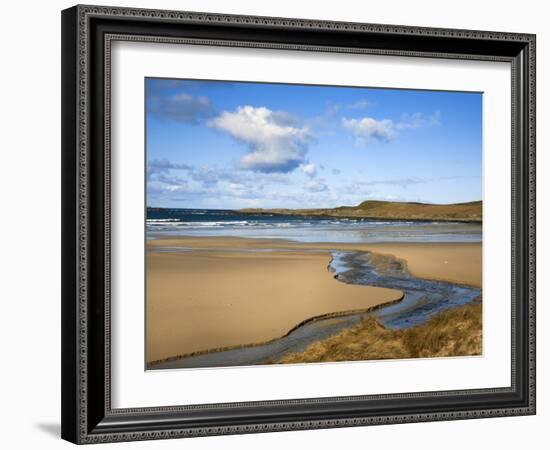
(213, 144)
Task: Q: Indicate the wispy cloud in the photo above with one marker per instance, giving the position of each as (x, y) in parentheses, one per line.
(418, 120)
(163, 166)
(180, 107)
(359, 104)
(334, 108)
(401, 182)
(209, 186)
(188, 185)
(405, 182)
(317, 185)
(275, 142)
(163, 173)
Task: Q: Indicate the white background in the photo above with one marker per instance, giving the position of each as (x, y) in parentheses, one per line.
(30, 193)
(132, 387)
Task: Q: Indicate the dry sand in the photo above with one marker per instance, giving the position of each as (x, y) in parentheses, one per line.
(213, 293)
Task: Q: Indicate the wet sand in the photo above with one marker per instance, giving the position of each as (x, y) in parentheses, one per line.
(211, 293)
(453, 262)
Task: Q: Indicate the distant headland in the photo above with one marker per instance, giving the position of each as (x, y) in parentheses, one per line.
(374, 209)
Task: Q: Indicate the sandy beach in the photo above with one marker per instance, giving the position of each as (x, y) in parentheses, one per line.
(205, 293)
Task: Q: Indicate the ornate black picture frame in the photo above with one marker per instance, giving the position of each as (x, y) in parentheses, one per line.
(87, 34)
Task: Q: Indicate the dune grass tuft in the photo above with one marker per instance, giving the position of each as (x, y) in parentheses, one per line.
(455, 332)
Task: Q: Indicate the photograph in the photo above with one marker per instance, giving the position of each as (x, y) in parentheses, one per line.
(297, 223)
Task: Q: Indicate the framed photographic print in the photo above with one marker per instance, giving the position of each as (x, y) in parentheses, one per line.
(280, 224)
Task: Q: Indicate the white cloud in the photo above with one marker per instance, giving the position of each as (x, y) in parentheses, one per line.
(276, 143)
(309, 169)
(368, 129)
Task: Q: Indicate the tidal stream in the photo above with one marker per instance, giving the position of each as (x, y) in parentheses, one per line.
(422, 298)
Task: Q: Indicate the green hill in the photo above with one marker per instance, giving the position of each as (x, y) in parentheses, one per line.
(373, 209)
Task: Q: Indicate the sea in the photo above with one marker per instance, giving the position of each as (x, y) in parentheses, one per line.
(218, 222)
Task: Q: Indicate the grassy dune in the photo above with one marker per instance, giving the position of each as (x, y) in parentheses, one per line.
(371, 209)
(456, 332)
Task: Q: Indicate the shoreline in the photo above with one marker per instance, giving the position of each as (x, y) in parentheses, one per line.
(443, 253)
